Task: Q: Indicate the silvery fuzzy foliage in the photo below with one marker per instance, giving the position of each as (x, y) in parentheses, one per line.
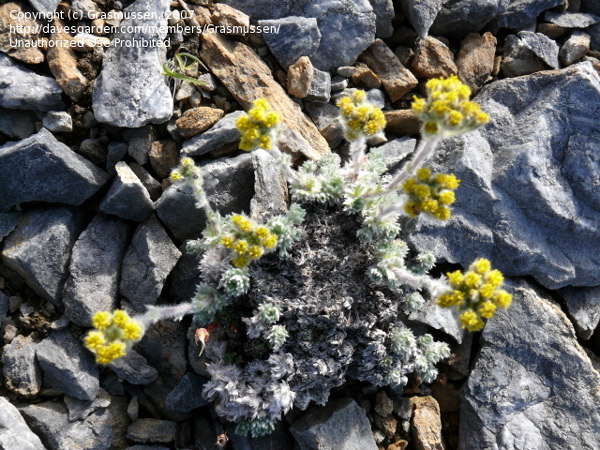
(256, 395)
(235, 282)
(340, 322)
(207, 303)
(262, 324)
(287, 228)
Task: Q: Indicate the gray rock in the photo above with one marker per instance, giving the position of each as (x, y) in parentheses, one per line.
(384, 14)
(40, 168)
(116, 152)
(229, 184)
(112, 384)
(139, 142)
(583, 305)
(338, 83)
(85, 8)
(152, 430)
(571, 20)
(14, 432)
(574, 48)
(460, 17)
(443, 319)
(349, 21)
(47, 7)
(22, 88)
(58, 121)
(297, 37)
(184, 277)
(519, 13)
(147, 98)
(187, 395)
(270, 187)
(421, 14)
(94, 150)
(544, 48)
(127, 197)
(164, 346)
(4, 304)
(594, 32)
(396, 151)
(320, 89)
(150, 183)
(177, 209)
(223, 133)
(50, 420)
(590, 6)
(17, 124)
(21, 370)
(81, 409)
(134, 369)
(279, 439)
(538, 149)
(95, 269)
(39, 249)
(342, 425)
(518, 58)
(147, 447)
(68, 366)
(8, 222)
(148, 261)
(532, 385)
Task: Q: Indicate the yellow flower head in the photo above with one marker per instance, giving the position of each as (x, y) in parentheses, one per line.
(262, 232)
(360, 117)
(258, 127)
(241, 261)
(270, 242)
(430, 193)
(255, 252)
(476, 294)
(114, 334)
(102, 320)
(240, 246)
(446, 110)
(471, 321)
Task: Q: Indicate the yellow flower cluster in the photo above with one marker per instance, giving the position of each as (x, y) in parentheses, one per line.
(447, 110)
(359, 116)
(186, 170)
(114, 334)
(430, 193)
(476, 294)
(258, 127)
(247, 240)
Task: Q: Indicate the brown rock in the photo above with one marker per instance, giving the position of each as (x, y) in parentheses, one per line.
(398, 445)
(163, 157)
(475, 59)
(248, 78)
(202, 15)
(551, 30)
(446, 395)
(300, 77)
(405, 55)
(426, 424)
(365, 77)
(433, 59)
(384, 406)
(63, 65)
(226, 16)
(8, 26)
(197, 120)
(402, 122)
(387, 425)
(396, 79)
